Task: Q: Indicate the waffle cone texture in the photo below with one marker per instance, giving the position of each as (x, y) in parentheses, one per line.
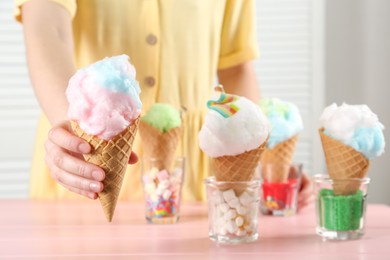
(237, 168)
(276, 161)
(112, 156)
(158, 145)
(343, 162)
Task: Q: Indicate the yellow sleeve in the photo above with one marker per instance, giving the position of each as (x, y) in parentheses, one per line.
(69, 5)
(238, 38)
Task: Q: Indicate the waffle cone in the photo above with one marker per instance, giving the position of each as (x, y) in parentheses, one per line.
(343, 162)
(159, 145)
(276, 161)
(236, 168)
(112, 156)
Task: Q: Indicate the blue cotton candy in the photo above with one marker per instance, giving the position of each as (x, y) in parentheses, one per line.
(284, 118)
(356, 126)
(115, 74)
(368, 141)
(104, 97)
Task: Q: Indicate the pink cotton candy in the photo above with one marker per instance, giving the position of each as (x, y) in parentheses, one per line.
(95, 102)
(101, 112)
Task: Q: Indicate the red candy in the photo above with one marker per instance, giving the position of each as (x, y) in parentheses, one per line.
(279, 195)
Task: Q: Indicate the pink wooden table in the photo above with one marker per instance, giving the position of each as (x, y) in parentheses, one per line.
(78, 230)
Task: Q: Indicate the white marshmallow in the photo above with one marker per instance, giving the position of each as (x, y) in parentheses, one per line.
(242, 210)
(160, 190)
(246, 199)
(217, 197)
(150, 188)
(153, 172)
(231, 227)
(250, 228)
(234, 203)
(164, 184)
(228, 195)
(154, 197)
(239, 221)
(223, 207)
(167, 194)
(230, 214)
(222, 231)
(240, 233)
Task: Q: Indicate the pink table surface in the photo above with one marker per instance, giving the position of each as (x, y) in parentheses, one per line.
(78, 230)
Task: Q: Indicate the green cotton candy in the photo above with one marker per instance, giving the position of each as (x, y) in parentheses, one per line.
(163, 117)
(273, 105)
(340, 212)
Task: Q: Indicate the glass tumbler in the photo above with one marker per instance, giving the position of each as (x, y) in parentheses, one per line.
(233, 209)
(279, 189)
(162, 186)
(340, 207)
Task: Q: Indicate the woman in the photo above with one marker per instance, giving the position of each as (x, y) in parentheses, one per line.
(178, 47)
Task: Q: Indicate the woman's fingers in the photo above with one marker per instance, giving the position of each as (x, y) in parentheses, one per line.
(69, 163)
(63, 138)
(90, 195)
(305, 195)
(67, 166)
(83, 185)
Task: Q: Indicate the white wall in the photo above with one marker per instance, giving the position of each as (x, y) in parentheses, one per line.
(18, 108)
(291, 66)
(358, 69)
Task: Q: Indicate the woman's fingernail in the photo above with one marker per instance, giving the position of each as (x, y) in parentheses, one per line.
(84, 148)
(97, 175)
(94, 187)
(93, 196)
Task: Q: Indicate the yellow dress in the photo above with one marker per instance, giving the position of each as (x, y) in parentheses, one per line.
(177, 46)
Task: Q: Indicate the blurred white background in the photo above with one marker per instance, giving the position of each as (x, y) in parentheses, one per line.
(358, 69)
(313, 53)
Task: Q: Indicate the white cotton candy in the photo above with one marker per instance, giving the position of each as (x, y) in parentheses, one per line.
(356, 126)
(245, 130)
(342, 121)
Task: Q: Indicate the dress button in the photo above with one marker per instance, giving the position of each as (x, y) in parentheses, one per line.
(151, 39)
(150, 81)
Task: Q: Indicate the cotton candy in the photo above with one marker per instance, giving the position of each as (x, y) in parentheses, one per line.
(243, 131)
(356, 126)
(162, 117)
(285, 120)
(104, 97)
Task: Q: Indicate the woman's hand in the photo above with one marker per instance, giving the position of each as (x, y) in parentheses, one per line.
(305, 195)
(64, 157)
